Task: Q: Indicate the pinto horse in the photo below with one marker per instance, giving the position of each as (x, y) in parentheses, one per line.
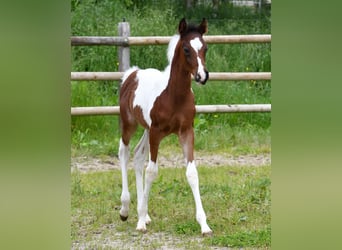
(163, 103)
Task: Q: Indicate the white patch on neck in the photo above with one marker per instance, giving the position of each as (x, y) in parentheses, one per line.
(196, 44)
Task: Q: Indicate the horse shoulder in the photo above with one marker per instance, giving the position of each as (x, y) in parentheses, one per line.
(151, 83)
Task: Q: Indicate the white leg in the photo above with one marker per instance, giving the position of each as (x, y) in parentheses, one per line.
(125, 196)
(140, 155)
(150, 175)
(192, 176)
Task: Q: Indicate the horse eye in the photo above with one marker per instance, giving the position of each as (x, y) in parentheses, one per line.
(186, 51)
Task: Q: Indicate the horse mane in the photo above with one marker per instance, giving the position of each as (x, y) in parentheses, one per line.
(170, 53)
(172, 47)
(190, 28)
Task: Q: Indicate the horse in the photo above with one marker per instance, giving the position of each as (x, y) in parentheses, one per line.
(162, 102)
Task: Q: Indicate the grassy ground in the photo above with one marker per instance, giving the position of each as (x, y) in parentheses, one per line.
(236, 200)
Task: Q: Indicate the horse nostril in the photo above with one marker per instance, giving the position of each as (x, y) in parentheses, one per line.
(197, 77)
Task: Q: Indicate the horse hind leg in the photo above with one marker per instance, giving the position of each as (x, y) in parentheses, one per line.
(125, 196)
(140, 156)
(143, 217)
(150, 175)
(128, 129)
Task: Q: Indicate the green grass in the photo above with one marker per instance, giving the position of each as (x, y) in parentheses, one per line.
(101, 137)
(236, 200)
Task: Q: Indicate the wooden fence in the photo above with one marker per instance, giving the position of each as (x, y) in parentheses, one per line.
(161, 40)
(124, 41)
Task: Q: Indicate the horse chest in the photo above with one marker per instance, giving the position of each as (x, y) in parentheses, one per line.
(169, 118)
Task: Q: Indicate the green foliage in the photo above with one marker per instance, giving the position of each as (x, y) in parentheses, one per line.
(243, 133)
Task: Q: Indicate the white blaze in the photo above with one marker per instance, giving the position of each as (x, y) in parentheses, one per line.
(197, 45)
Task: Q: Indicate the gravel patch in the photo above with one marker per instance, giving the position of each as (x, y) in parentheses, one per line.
(136, 240)
(90, 164)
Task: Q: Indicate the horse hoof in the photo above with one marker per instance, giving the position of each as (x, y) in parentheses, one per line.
(148, 220)
(207, 234)
(142, 230)
(123, 218)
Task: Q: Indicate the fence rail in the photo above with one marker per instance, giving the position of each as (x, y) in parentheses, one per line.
(124, 41)
(161, 40)
(115, 110)
(233, 76)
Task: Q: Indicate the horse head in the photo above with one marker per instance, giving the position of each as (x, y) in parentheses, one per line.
(194, 48)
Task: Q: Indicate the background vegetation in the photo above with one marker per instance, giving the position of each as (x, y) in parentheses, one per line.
(235, 133)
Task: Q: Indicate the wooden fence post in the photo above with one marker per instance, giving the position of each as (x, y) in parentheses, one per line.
(123, 51)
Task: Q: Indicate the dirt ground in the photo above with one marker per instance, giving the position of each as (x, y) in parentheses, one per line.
(90, 164)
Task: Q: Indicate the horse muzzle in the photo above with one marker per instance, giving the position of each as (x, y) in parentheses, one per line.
(202, 78)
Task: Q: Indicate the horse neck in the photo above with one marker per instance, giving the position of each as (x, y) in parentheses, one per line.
(179, 85)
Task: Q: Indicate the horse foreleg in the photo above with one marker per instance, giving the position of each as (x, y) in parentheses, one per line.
(187, 142)
(125, 196)
(192, 176)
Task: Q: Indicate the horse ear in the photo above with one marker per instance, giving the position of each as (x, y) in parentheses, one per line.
(203, 27)
(182, 26)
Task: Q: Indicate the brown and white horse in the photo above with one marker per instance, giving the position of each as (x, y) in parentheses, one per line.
(163, 103)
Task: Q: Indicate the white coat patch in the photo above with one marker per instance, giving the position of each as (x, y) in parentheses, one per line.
(151, 83)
